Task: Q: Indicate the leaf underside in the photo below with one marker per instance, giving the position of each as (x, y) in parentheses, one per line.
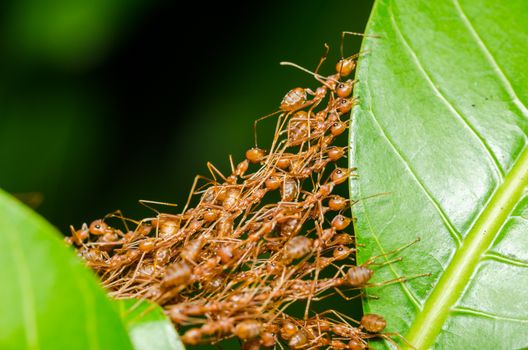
(440, 133)
(48, 299)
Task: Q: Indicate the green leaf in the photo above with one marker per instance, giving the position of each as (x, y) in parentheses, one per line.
(441, 128)
(67, 33)
(148, 327)
(48, 299)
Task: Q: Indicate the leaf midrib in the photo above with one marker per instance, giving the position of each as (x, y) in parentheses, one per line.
(437, 308)
(428, 323)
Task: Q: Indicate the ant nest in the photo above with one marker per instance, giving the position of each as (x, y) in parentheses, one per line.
(270, 234)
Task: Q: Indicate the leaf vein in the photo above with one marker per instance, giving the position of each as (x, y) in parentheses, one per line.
(496, 67)
(450, 227)
(406, 290)
(474, 312)
(450, 106)
(504, 259)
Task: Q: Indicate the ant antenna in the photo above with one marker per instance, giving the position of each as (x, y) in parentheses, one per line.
(317, 76)
(146, 203)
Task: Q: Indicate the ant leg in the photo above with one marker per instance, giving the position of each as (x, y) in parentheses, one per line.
(260, 119)
(314, 283)
(352, 202)
(144, 203)
(387, 336)
(396, 280)
(140, 223)
(342, 317)
(278, 129)
(232, 164)
(372, 259)
(213, 169)
(317, 270)
(344, 33)
(387, 262)
(133, 278)
(119, 214)
(342, 295)
(323, 58)
(193, 188)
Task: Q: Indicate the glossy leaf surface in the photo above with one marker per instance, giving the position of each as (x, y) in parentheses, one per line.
(441, 129)
(48, 299)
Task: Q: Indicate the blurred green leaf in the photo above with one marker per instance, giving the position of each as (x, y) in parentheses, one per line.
(441, 126)
(65, 32)
(49, 300)
(148, 326)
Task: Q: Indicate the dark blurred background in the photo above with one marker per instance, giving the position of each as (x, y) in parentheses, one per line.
(105, 102)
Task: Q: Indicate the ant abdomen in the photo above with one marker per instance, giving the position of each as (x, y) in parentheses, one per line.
(337, 203)
(214, 282)
(288, 330)
(224, 227)
(293, 100)
(268, 339)
(273, 182)
(162, 256)
(248, 329)
(345, 66)
(356, 344)
(358, 276)
(338, 345)
(298, 340)
(178, 274)
(289, 190)
(289, 227)
(373, 323)
(297, 247)
(283, 162)
(192, 337)
(210, 215)
(255, 155)
(227, 253)
(231, 199)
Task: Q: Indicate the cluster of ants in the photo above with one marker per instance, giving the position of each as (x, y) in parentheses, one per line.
(257, 241)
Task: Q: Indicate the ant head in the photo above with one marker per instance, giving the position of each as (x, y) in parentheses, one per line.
(294, 99)
(344, 89)
(98, 227)
(335, 153)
